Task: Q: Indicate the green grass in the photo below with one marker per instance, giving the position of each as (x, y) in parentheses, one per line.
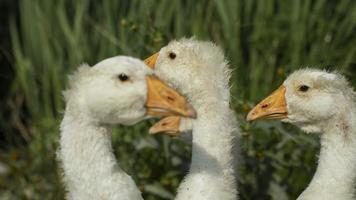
(263, 40)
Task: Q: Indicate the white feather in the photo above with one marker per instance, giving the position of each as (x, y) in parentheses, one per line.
(201, 72)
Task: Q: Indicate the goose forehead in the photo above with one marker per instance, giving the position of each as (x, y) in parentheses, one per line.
(195, 46)
(179, 48)
(201, 54)
(123, 64)
(308, 76)
(184, 43)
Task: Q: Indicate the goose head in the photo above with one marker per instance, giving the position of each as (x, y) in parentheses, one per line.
(308, 98)
(197, 69)
(123, 90)
(191, 66)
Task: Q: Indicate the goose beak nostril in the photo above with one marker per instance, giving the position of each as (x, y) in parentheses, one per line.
(264, 106)
(272, 107)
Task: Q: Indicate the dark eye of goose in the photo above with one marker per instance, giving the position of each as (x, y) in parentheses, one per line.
(172, 55)
(123, 77)
(303, 88)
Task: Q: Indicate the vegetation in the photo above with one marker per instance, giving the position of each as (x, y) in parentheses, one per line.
(263, 40)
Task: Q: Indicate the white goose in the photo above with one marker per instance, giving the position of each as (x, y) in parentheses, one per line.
(118, 90)
(199, 71)
(320, 102)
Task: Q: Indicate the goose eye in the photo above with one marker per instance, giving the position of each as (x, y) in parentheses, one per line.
(123, 77)
(172, 55)
(304, 88)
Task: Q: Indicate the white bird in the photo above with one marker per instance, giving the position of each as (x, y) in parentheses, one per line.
(320, 102)
(118, 90)
(199, 71)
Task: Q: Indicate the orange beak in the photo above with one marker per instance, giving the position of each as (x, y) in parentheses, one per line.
(272, 107)
(165, 101)
(168, 125)
(151, 61)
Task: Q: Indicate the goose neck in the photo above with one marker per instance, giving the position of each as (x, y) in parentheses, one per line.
(90, 168)
(336, 171)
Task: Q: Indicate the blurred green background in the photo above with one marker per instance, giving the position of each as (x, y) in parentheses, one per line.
(43, 41)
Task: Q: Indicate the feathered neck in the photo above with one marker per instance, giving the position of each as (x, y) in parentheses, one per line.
(90, 168)
(336, 172)
(212, 171)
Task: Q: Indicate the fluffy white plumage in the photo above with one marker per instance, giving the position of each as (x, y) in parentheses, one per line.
(200, 72)
(96, 99)
(328, 107)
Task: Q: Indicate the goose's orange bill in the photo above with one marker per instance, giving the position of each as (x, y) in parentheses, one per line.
(165, 101)
(272, 107)
(151, 61)
(168, 125)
